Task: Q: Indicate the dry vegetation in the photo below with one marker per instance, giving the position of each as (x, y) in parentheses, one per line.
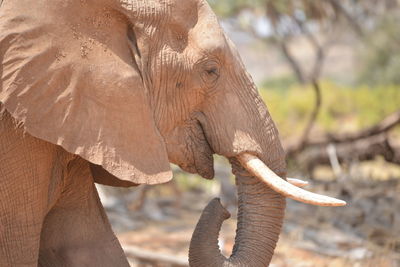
(328, 73)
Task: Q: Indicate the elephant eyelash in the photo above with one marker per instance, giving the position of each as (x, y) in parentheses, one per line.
(211, 76)
(213, 71)
(210, 72)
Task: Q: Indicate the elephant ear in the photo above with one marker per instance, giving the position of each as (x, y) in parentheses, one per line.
(70, 76)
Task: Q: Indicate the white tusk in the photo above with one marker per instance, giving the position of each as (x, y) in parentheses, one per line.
(255, 166)
(297, 182)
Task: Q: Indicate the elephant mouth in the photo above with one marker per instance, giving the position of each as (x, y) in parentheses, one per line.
(189, 148)
(202, 152)
(289, 188)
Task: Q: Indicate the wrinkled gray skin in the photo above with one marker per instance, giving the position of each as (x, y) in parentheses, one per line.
(203, 102)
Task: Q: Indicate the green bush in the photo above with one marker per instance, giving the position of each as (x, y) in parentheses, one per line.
(343, 108)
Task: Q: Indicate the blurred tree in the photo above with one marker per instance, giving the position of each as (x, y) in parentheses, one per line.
(229, 8)
(380, 57)
(321, 22)
(290, 18)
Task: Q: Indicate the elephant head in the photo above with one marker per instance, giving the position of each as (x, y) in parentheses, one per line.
(131, 86)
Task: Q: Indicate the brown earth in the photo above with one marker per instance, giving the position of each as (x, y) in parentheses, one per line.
(364, 233)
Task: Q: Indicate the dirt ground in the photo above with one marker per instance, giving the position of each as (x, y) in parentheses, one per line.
(364, 233)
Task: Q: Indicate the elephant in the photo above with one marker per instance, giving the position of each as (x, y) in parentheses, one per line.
(112, 92)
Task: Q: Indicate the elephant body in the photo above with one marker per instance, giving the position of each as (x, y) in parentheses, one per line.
(113, 91)
(50, 212)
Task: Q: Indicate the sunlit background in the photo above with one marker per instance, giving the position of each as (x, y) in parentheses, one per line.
(329, 72)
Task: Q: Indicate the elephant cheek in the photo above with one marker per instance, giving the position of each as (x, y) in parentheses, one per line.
(188, 148)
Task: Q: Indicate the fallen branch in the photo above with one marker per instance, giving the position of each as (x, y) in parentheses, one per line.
(382, 127)
(363, 149)
(154, 258)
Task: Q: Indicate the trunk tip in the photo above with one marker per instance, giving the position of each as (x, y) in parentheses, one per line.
(216, 206)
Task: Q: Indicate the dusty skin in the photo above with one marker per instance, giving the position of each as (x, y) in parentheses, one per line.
(113, 91)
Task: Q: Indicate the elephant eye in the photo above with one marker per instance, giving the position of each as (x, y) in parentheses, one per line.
(212, 71)
(211, 75)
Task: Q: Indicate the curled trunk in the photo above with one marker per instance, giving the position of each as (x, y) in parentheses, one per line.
(260, 218)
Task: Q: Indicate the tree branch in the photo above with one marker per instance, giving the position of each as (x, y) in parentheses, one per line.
(292, 61)
(337, 6)
(383, 126)
(319, 50)
(298, 147)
